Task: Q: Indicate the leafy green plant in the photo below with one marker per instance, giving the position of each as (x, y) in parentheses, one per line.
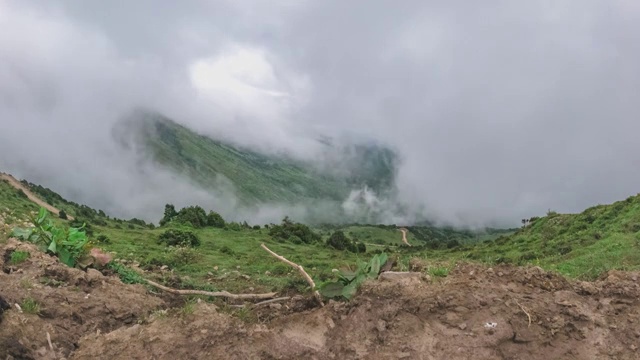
(349, 281)
(126, 275)
(18, 256)
(67, 244)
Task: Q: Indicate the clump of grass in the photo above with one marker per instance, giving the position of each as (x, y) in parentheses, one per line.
(189, 307)
(30, 306)
(439, 271)
(18, 257)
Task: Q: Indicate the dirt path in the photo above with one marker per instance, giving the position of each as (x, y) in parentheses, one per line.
(404, 236)
(18, 185)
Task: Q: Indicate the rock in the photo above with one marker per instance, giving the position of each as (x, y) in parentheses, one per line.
(246, 277)
(215, 268)
(275, 306)
(164, 267)
(381, 325)
(462, 326)
(267, 272)
(93, 275)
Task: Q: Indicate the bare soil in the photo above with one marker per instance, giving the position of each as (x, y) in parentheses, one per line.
(475, 312)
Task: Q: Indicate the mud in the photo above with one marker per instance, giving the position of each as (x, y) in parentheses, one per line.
(475, 312)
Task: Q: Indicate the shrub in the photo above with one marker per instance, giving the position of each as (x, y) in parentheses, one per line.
(215, 220)
(287, 229)
(339, 241)
(182, 256)
(227, 250)
(174, 237)
(62, 215)
(194, 215)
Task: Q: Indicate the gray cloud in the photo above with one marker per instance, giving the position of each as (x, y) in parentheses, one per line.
(499, 110)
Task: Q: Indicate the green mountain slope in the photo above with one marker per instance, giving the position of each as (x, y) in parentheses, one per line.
(581, 245)
(255, 177)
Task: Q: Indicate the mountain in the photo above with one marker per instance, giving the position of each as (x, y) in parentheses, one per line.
(257, 177)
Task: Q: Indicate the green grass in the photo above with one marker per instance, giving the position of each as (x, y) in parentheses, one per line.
(18, 257)
(30, 306)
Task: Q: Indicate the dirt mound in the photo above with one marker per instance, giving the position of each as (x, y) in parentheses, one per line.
(66, 303)
(475, 312)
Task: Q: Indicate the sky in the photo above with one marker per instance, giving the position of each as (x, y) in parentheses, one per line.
(499, 110)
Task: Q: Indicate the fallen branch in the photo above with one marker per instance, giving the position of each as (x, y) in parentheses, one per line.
(211, 293)
(301, 270)
(524, 310)
(264, 302)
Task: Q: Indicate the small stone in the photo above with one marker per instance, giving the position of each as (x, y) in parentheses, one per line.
(490, 270)
(246, 277)
(275, 306)
(381, 325)
(633, 347)
(164, 267)
(204, 331)
(500, 273)
(267, 272)
(471, 273)
(462, 326)
(210, 273)
(238, 267)
(251, 288)
(215, 268)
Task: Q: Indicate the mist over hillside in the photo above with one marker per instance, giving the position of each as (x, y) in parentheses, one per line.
(487, 125)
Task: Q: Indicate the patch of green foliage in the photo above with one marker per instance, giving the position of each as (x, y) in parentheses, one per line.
(339, 241)
(67, 244)
(175, 237)
(194, 216)
(18, 257)
(348, 282)
(292, 231)
(126, 275)
(30, 306)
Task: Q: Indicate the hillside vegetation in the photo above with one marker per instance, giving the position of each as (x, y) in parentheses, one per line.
(227, 255)
(255, 177)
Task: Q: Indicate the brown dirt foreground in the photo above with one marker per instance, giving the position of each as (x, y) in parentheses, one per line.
(474, 313)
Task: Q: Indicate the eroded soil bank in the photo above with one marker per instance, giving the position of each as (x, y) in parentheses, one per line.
(475, 312)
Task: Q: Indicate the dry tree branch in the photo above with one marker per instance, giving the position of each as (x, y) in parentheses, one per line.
(264, 302)
(210, 293)
(524, 310)
(301, 270)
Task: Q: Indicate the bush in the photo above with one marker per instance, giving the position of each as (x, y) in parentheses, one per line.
(287, 229)
(175, 237)
(103, 239)
(215, 220)
(227, 250)
(62, 215)
(339, 241)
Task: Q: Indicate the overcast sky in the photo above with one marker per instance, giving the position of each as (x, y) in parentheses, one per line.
(499, 109)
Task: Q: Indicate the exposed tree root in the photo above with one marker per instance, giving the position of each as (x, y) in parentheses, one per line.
(211, 293)
(301, 270)
(266, 302)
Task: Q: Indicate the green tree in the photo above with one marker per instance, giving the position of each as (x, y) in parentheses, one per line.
(169, 213)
